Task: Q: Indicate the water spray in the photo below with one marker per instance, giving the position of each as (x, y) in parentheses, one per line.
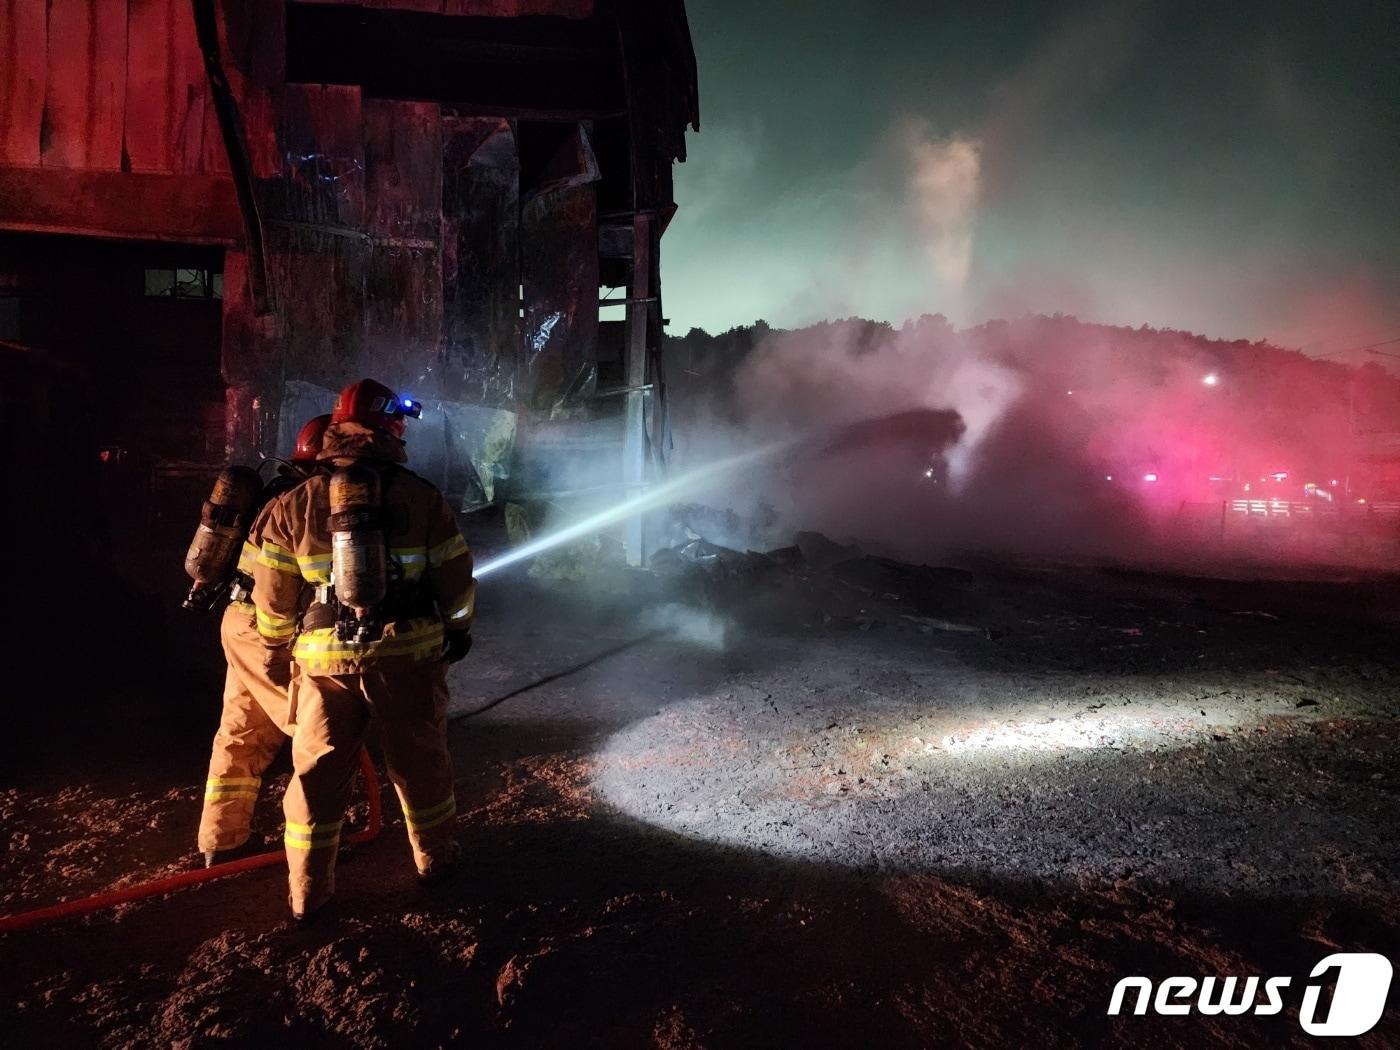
(659, 496)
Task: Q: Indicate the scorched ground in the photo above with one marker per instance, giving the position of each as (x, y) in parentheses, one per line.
(781, 805)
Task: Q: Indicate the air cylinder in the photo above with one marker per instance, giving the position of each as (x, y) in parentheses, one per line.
(359, 558)
(224, 521)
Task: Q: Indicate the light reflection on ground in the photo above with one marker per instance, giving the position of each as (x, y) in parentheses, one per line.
(1151, 791)
(1075, 734)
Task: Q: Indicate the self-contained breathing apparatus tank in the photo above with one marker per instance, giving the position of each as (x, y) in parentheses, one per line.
(359, 552)
(224, 521)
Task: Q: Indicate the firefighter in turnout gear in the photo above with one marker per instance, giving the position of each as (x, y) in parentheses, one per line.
(253, 726)
(372, 554)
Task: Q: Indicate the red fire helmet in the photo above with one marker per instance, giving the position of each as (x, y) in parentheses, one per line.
(372, 404)
(309, 439)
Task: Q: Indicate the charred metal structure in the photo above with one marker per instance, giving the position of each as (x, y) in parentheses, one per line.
(213, 213)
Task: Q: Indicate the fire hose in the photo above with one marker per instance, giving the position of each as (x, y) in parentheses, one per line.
(170, 883)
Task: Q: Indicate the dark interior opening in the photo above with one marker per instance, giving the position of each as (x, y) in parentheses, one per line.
(112, 366)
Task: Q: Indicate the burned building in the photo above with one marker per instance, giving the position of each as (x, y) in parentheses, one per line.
(213, 213)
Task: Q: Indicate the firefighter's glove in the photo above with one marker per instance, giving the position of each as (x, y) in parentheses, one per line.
(456, 645)
(278, 664)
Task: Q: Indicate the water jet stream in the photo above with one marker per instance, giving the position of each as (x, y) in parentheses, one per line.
(659, 496)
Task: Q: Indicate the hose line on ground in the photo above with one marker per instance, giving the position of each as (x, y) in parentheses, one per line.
(170, 883)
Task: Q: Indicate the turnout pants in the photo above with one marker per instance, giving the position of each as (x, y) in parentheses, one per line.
(250, 735)
(408, 705)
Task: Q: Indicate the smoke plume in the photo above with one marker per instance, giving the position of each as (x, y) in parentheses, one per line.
(1042, 436)
(945, 184)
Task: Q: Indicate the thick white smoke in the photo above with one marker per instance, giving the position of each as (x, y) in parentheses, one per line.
(834, 375)
(945, 186)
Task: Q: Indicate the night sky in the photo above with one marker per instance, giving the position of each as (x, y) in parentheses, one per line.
(1231, 168)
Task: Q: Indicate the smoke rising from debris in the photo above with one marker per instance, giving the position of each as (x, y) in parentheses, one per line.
(836, 375)
(1042, 436)
(692, 626)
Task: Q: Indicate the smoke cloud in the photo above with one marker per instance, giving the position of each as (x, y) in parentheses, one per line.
(686, 624)
(1041, 436)
(945, 184)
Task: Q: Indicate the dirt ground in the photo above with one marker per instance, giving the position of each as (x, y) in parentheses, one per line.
(768, 804)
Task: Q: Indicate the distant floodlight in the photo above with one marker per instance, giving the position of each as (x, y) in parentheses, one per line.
(1070, 393)
(928, 473)
(1149, 477)
(1108, 477)
(1210, 379)
(1280, 475)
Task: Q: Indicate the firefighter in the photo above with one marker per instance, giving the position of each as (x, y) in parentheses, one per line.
(373, 554)
(253, 725)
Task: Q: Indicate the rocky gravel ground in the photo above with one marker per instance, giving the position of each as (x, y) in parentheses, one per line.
(813, 799)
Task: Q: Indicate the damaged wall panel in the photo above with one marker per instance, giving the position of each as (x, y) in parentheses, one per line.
(403, 169)
(481, 283)
(251, 363)
(403, 264)
(319, 278)
(253, 41)
(429, 215)
(559, 270)
(198, 209)
(403, 317)
(321, 144)
(24, 35)
(84, 109)
(165, 77)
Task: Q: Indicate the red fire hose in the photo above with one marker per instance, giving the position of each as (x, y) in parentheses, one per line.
(84, 905)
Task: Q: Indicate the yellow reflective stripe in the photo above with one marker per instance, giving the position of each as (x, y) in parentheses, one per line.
(341, 651)
(464, 609)
(229, 794)
(310, 844)
(420, 639)
(423, 819)
(448, 549)
(316, 568)
(323, 639)
(412, 560)
(247, 558)
(226, 789)
(279, 558)
(278, 627)
(311, 836)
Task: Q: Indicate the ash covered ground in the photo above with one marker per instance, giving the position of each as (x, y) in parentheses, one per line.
(813, 799)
